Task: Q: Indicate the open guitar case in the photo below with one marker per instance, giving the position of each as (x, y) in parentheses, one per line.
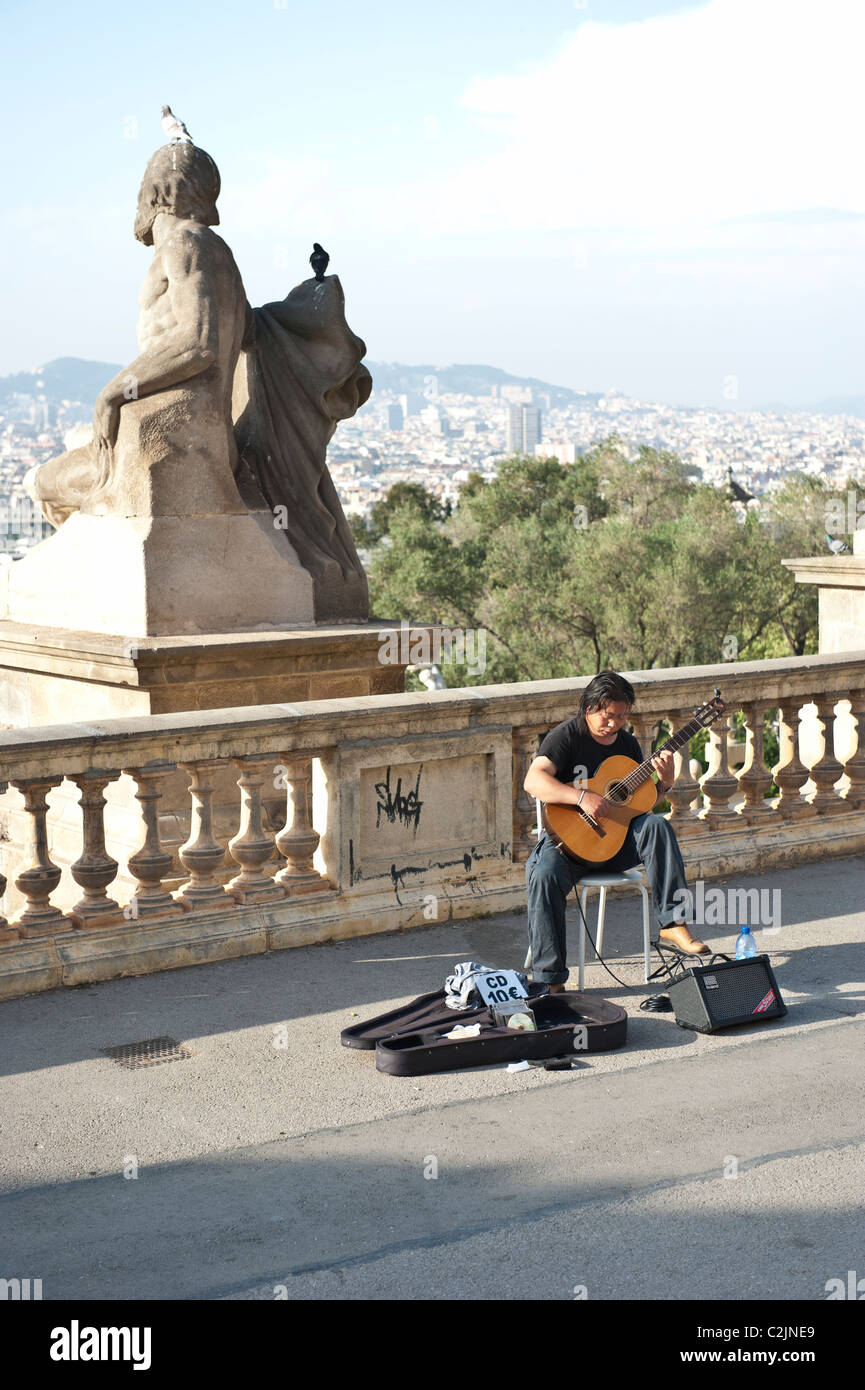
(409, 1042)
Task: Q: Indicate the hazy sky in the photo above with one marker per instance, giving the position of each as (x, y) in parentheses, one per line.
(607, 194)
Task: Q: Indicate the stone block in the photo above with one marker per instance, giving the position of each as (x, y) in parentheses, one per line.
(162, 575)
(28, 967)
(140, 949)
(51, 676)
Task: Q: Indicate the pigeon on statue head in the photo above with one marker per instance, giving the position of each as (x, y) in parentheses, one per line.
(319, 260)
(174, 127)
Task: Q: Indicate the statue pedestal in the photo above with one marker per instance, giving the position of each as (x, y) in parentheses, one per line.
(139, 575)
(49, 675)
(841, 584)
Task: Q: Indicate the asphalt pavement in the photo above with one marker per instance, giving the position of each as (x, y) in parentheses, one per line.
(272, 1163)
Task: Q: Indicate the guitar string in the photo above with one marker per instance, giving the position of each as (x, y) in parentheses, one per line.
(644, 769)
(639, 774)
(642, 772)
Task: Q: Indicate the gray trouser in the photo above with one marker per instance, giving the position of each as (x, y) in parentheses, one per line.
(551, 875)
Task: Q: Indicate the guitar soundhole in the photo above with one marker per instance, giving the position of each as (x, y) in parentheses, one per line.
(617, 793)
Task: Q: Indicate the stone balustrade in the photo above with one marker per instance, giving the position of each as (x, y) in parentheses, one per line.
(141, 844)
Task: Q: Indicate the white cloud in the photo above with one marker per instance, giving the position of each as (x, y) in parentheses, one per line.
(737, 108)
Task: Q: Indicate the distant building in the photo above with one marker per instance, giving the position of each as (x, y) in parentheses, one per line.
(435, 420)
(523, 429)
(411, 402)
(565, 450)
(395, 416)
(514, 429)
(531, 428)
(522, 395)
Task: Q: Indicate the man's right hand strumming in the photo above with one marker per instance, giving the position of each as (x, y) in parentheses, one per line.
(596, 806)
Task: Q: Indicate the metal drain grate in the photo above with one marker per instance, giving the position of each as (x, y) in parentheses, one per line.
(149, 1053)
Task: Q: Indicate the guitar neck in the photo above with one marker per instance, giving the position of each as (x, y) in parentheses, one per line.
(674, 743)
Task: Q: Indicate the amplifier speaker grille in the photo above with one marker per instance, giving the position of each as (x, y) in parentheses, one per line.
(725, 994)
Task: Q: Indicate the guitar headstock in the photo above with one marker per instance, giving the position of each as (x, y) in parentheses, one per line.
(711, 710)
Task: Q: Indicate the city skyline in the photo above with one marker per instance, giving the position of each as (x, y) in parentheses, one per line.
(645, 197)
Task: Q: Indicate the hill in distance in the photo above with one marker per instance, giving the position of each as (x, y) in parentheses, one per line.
(472, 380)
(836, 405)
(75, 379)
(66, 378)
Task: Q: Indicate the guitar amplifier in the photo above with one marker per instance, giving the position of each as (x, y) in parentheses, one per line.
(708, 998)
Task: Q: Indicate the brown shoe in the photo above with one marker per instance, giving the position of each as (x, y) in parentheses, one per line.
(680, 937)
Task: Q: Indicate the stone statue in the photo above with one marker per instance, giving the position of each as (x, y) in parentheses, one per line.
(164, 472)
(299, 375)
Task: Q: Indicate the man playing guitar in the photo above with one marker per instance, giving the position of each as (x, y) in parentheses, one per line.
(575, 749)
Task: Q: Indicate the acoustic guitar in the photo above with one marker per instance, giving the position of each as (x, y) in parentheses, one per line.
(628, 790)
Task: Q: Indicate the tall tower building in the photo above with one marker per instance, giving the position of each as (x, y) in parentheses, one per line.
(531, 428)
(523, 428)
(515, 429)
(411, 402)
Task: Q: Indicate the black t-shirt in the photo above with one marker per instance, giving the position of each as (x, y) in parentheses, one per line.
(577, 756)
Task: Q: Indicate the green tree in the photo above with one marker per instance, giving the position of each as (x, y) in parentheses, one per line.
(413, 496)
(616, 560)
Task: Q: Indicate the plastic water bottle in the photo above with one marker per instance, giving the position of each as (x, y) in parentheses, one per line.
(746, 946)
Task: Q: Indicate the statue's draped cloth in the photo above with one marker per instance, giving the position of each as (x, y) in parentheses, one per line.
(303, 374)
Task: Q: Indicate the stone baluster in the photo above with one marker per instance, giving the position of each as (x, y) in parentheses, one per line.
(789, 773)
(685, 790)
(7, 933)
(525, 750)
(644, 727)
(251, 847)
(151, 864)
(647, 730)
(298, 840)
(38, 881)
(718, 784)
(201, 855)
(755, 778)
(94, 869)
(854, 768)
(827, 770)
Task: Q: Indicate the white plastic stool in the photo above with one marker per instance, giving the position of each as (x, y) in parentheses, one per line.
(632, 877)
(603, 881)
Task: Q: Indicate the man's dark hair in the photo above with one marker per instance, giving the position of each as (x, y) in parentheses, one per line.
(606, 686)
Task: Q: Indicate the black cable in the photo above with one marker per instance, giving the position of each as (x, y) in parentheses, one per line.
(655, 1003)
(594, 947)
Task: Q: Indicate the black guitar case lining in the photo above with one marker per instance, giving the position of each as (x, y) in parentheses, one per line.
(408, 1041)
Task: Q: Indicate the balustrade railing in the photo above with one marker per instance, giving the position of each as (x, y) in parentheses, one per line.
(739, 793)
(816, 781)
